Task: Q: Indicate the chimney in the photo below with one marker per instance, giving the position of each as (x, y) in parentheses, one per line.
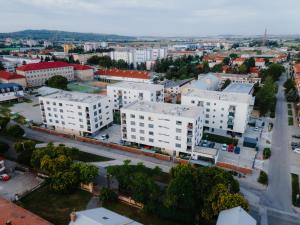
(73, 216)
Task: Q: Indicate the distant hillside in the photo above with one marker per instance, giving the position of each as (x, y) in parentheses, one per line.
(54, 35)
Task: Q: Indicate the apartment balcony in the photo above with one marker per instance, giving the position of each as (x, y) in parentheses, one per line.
(190, 126)
(230, 127)
(231, 114)
(123, 122)
(189, 133)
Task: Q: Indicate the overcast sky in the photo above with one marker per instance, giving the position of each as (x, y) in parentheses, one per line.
(153, 17)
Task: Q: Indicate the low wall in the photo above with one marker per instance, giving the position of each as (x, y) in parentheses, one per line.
(228, 166)
(109, 145)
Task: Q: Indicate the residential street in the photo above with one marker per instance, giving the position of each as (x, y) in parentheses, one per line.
(279, 189)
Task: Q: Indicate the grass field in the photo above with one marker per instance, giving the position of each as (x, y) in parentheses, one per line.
(137, 214)
(83, 87)
(88, 157)
(55, 208)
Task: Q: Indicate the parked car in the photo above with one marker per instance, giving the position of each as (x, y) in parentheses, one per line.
(4, 177)
(104, 137)
(224, 147)
(230, 148)
(295, 145)
(296, 136)
(256, 129)
(204, 143)
(297, 150)
(237, 150)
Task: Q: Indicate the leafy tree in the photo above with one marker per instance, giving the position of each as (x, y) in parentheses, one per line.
(108, 195)
(86, 173)
(265, 96)
(226, 61)
(221, 199)
(249, 63)
(58, 81)
(206, 68)
(217, 68)
(267, 153)
(243, 69)
(292, 95)
(263, 178)
(3, 122)
(64, 181)
(233, 56)
(15, 131)
(3, 147)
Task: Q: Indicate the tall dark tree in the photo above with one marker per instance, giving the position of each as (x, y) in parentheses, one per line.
(58, 81)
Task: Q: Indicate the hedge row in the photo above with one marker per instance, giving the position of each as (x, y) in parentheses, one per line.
(220, 139)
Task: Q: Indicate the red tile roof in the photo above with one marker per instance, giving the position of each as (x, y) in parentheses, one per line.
(10, 76)
(81, 67)
(254, 70)
(43, 66)
(124, 73)
(297, 68)
(259, 60)
(17, 215)
(239, 60)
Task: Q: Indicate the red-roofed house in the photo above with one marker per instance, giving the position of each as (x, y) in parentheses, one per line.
(7, 77)
(83, 72)
(238, 61)
(254, 70)
(17, 215)
(297, 70)
(125, 75)
(38, 73)
(260, 62)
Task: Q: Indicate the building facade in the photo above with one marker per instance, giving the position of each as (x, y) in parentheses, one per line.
(76, 113)
(38, 73)
(10, 91)
(7, 77)
(124, 93)
(125, 75)
(173, 129)
(227, 111)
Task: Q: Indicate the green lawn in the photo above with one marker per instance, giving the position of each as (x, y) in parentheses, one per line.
(295, 190)
(290, 112)
(291, 121)
(55, 208)
(219, 138)
(289, 106)
(137, 214)
(88, 157)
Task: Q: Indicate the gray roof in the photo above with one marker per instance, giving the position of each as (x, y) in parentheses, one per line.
(173, 83)
(235, 216)
(101, 216)
(239, 88)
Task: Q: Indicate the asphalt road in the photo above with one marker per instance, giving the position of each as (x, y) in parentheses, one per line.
(279, 188)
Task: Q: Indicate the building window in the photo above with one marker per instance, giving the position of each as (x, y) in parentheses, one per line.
(151, 133)
(178, 145)
(178, 123)
(151, 140)
(151, 126)
(141, 117)
(132, 122)
(178, 130)
(80, 113)
(142, 131)
(132, 129)
(132, 116)
(142, 124)
(133, 136)
(142, 138)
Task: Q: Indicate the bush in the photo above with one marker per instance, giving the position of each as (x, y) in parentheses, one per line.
(3, 122)
(3, 147)
(108, 195)
(267, 153)
(15, 131)
(263, 178)
(220, 139)
(295, 190)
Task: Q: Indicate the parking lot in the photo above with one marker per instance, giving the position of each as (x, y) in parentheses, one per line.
(20, 183)
(114, 133)
(31, 111)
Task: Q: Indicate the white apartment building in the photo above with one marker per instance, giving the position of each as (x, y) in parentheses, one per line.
(38, 73)
(10, 91)
(76, 113)
(124, 93)
(228, 110)
(172, 128)
(90, 46)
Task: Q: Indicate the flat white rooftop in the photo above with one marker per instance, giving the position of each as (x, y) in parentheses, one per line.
(164, 108)
(138, 86)
(218, 95)
(239, 88)
(101, 216)
(75, 96)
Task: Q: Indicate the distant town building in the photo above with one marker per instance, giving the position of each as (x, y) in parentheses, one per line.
(124, 93)
(7, 77)
(90, 46)
(38, 73)
(172, 128)
(68, 47)
(76, 113)
(83, 72)
(125, 75)
(10, 91)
